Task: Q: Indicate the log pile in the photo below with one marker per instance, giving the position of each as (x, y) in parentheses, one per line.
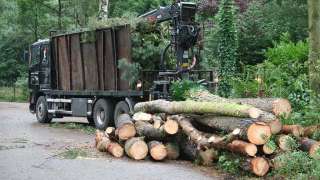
(200, 128)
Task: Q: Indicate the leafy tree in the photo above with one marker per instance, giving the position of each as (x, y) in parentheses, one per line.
(314, 54)
(227, 45)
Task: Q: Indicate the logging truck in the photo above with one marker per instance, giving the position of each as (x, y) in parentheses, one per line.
(77, 74)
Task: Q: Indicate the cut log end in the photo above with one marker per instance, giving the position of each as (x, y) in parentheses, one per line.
(251, 149)
(275, 126)
(315, 151)
(281, 107)
(259, 166)
(171, 126)
(157, 150)
(136, 148)
(173, 151)
(259, 133)
(267, 149)
(284, 142)
(296, 130)
(126, 131)
(243, 147)
(254, 112)
(115, 149)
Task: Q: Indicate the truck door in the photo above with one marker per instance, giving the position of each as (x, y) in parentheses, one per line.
(44, 72)
(34, 67)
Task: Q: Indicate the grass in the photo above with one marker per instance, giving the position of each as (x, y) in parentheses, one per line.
(73, 153)
(9, 95)
(83, 127)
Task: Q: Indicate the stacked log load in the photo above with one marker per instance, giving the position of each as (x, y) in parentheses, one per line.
(201, 127)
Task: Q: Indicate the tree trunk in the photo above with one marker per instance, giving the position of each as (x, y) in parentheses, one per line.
(136, 148)
(242, 147)
(171, 126)
(256, 132)
(295, 130)
(99, 136)
(194, 107)
(309, 131)
(149, 132)
(277, 106)
(125, 127)
(311, 146)
(157, 150)
(104, 9)
(141, 116)
(314, 52)
(268, 150)
(258, 166)
(286, 143)
(173, 150)
(115, 149)
(208, 156)
(157, 122)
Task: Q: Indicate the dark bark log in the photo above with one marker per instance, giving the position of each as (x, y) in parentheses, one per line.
(173, 150)
(149, 132)
(189, 107)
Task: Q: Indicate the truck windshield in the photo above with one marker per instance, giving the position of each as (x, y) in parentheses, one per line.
(35, 55)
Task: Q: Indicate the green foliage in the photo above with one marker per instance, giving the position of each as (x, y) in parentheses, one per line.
(264, 22)
(297, 165)
(316, 136)
(227, 45)
(229, 163)
(83, 127)
(130, 71)
(179, 90)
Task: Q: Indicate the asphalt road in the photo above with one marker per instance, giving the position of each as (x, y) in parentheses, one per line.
(29, 150)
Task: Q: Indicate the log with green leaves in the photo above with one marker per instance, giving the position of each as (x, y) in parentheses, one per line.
(194, 107)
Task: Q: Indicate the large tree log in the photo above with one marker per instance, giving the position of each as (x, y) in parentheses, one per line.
(242, 147)
(277, 106)
(296, 130)
(171, 126)
(141, 116)
(286, 142)
(258, 166)
(98, 137)
(125, 127)
(157, 121)
(173, 150)
(106, 145)
(136, 148)
(208, 156)
(256, 132)
(309, 131)
(149, 132)
(157, 150)
(218, 142)
(190, 107)
(311, 146)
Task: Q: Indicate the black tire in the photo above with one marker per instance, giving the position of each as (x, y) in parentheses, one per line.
(102, 113)
(122, 107)
(42, 111)
(91, 121)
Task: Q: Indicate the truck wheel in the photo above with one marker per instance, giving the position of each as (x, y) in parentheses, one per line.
(42, 111)
(102, 113)
(121, 108)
